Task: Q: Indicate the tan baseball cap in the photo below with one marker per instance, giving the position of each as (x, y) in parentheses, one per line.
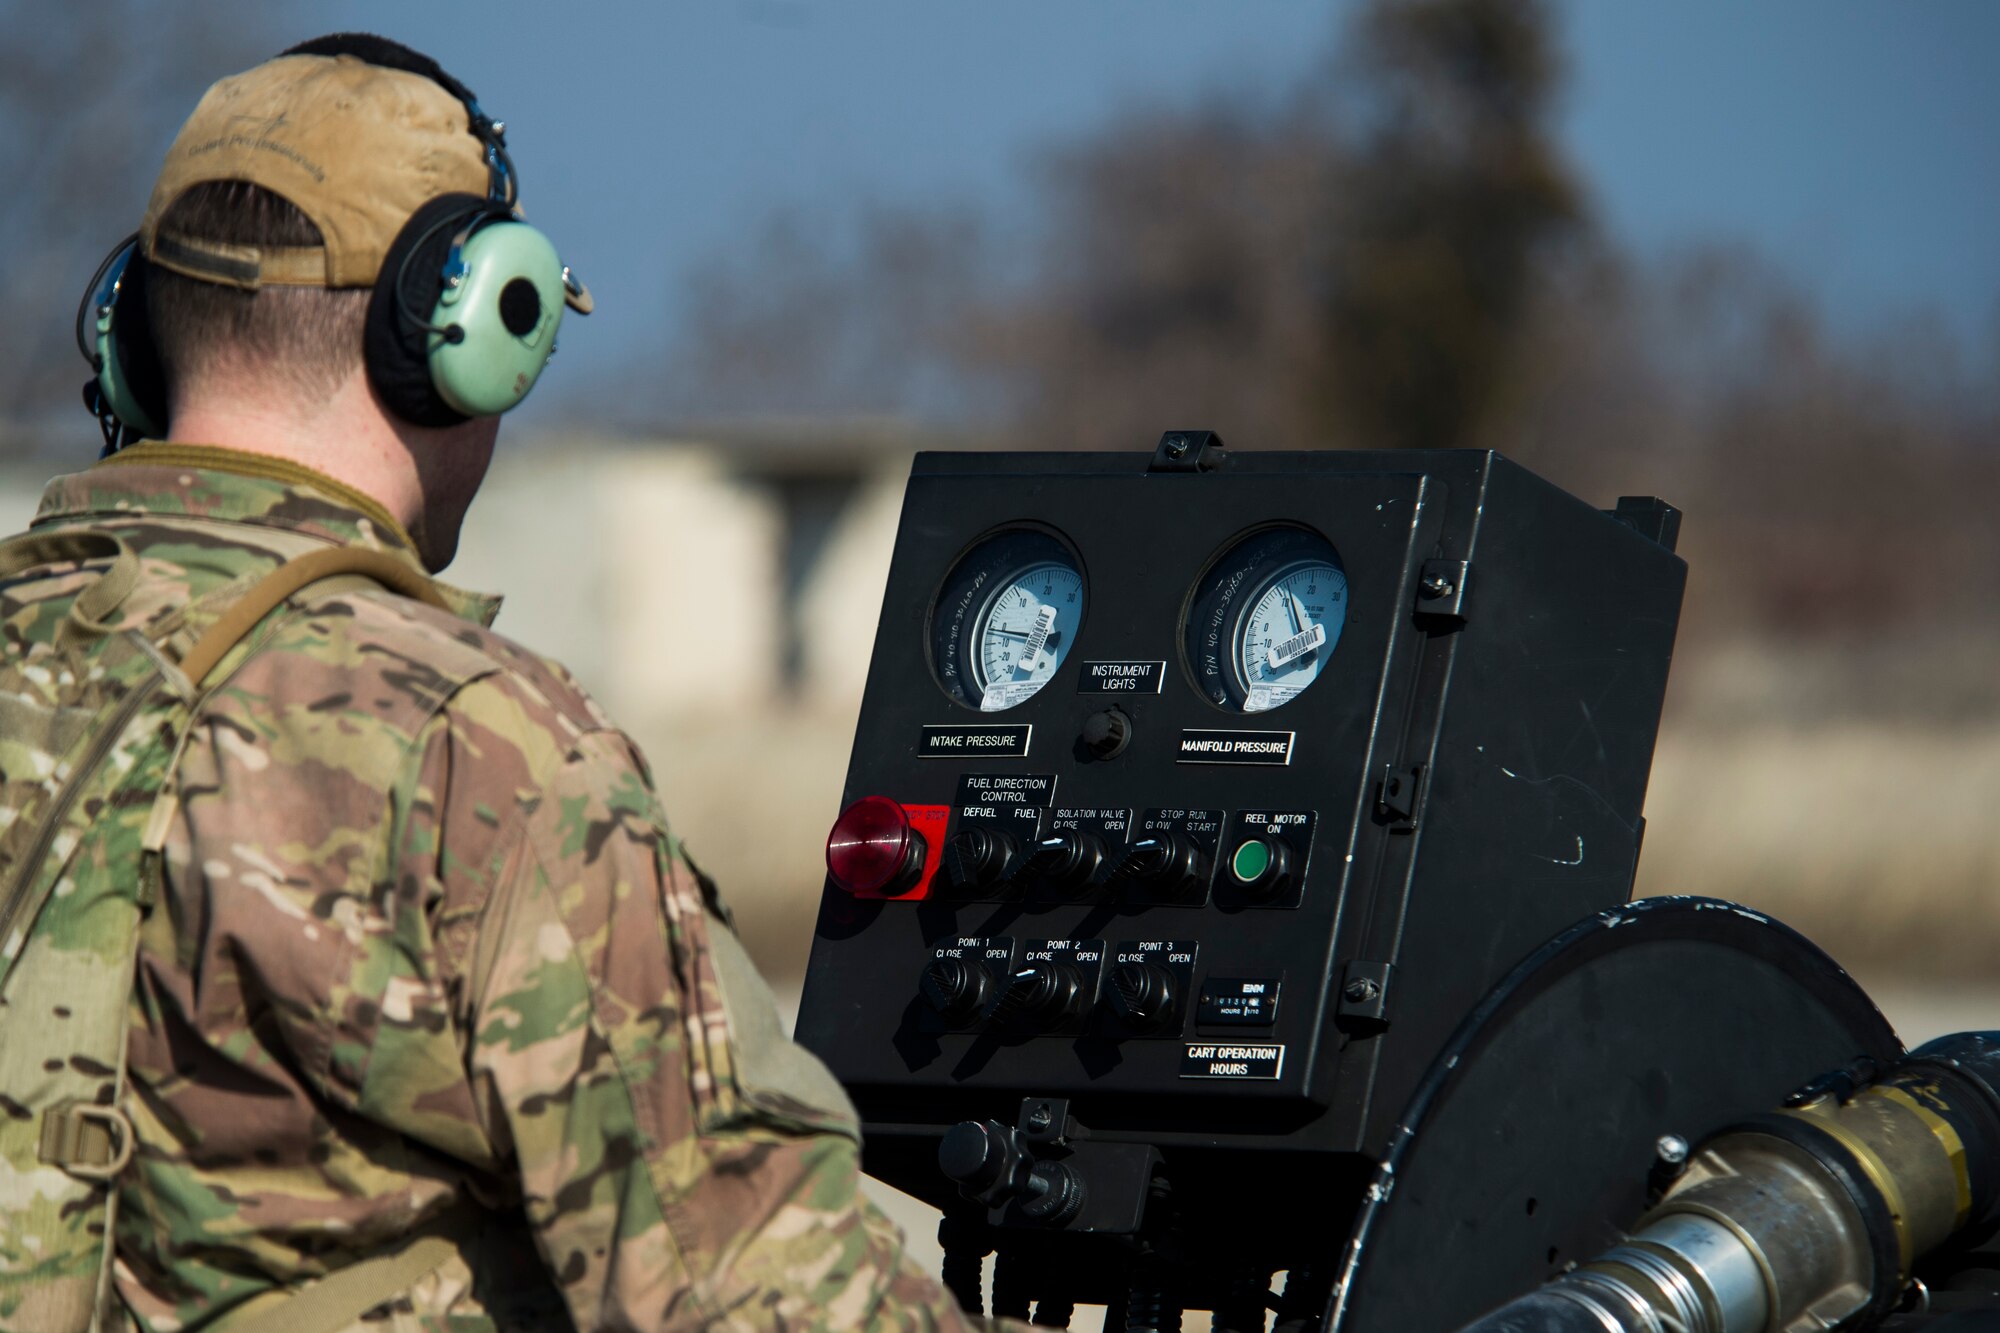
(356, 147)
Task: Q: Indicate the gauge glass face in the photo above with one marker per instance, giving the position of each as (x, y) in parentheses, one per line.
(1023, 634)
(1005, 619)
(1265, 618)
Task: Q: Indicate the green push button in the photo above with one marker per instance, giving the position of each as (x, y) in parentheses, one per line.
(1251, 860)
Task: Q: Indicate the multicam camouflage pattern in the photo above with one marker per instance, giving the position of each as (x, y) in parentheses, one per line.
(425, 957)
(82, 754)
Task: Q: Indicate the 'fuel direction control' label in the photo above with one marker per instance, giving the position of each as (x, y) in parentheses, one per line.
(992, 790)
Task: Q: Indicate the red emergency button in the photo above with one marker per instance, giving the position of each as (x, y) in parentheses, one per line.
(874, 849)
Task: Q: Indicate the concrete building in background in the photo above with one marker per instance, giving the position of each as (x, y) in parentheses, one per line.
(682, 582)
(685, 582)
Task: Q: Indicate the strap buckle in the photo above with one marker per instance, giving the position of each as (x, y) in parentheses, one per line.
(88, 1140)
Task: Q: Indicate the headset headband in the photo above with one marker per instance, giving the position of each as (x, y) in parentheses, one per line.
(502, 185)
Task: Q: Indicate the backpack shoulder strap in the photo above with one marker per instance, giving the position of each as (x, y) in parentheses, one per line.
(336, 1301)
(56, 1229)
(244, 614)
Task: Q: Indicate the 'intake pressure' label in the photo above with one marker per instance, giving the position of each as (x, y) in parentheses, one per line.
(948, 742)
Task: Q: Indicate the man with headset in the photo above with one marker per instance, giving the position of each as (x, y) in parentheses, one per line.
(430, 1017)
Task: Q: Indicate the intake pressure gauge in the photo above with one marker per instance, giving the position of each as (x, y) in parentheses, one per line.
(1006, 618)
(1264, 619)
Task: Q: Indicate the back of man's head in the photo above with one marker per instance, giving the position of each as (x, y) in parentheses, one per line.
(297, 341)
(277, 205)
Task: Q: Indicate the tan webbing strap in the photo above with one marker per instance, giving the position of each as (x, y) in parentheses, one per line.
(343, 1296)
(244, 614)
(75, 546)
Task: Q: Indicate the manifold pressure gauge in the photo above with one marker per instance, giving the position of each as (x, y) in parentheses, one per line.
(1006, 618)
(1264, 619)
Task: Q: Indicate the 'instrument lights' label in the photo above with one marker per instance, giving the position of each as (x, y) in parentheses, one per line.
(1121, 678)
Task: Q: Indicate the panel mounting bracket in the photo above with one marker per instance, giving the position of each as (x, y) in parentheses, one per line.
(1441, 588)
(1187, 451)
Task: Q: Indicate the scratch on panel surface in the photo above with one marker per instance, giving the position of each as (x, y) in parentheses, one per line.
(1577, 860)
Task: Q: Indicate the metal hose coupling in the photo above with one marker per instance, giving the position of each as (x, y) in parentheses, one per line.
(1798, 1220)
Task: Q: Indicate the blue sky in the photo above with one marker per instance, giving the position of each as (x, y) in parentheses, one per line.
(1855, 142)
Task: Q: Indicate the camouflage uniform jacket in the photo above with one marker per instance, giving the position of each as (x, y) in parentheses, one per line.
(426, 955)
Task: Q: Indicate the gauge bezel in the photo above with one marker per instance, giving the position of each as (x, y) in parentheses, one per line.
(1225, 556)
(972, 611)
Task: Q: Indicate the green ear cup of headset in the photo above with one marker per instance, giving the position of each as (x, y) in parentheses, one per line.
(118, 395)
(503, 295)
(119, 281)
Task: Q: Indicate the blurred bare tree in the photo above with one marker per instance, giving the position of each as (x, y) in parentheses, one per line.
(1452, 204)
(823, 316)
(1351, 262)
(1178, 282)
(90, 97)
(1394, 253)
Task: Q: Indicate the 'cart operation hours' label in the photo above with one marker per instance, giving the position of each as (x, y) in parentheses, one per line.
(1231, 1060)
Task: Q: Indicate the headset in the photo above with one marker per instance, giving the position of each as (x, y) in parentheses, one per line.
(461, 323)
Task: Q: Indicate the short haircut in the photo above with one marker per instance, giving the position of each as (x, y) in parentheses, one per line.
(306, 340)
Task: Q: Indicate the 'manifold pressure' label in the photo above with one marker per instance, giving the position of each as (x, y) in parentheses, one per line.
(1216, 1059)
(1235, 747)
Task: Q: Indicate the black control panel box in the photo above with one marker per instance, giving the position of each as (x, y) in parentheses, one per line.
(1209, 801)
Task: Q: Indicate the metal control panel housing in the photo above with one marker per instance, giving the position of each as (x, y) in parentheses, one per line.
(1250, 931)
